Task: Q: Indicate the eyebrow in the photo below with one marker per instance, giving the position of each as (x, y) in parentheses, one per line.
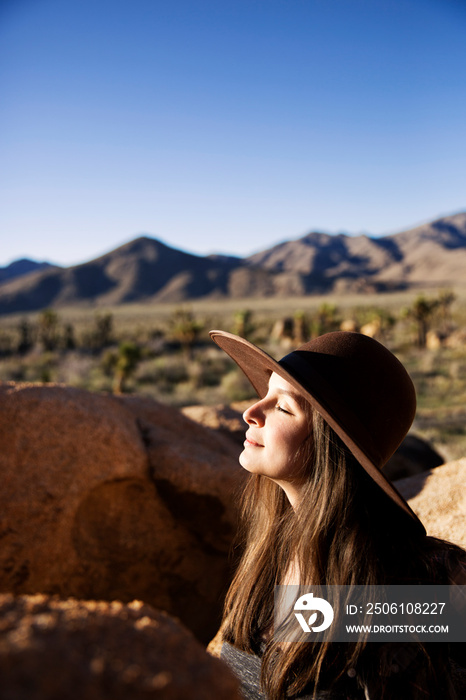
(294, 395)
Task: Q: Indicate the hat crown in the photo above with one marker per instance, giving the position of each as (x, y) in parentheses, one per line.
(364, 385)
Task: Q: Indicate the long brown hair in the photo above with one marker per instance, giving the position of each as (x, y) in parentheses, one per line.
(345, 531)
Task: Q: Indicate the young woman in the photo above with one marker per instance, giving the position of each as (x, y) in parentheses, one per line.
(317, 510)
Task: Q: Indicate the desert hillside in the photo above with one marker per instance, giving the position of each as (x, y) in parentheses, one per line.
(433, 254)
(147, 270)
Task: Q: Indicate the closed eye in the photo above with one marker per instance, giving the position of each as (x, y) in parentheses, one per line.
(283, 410)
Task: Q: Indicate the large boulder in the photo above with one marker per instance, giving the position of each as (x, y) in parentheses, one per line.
(115, 498)
(438, 497)
(55, 649)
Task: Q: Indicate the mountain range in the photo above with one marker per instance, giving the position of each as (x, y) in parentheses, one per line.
(21, 267)
(430, 255)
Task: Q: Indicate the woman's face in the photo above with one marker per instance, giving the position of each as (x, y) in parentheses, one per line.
(278, 427)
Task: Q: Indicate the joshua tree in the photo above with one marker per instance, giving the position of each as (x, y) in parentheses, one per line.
(185, 329)
(380, 319)
(299, 327)
(243, 324)
(103, 331)
(422, 312)
(327, 319)
(48, 329)
(69, 342)
(25, 341)
(445, 300)
(122, 363)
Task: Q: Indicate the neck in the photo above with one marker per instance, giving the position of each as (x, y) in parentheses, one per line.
(293, 491)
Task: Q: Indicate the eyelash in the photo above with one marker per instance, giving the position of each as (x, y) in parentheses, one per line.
(279, 408)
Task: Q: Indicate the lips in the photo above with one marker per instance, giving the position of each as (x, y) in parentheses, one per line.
(251, 442)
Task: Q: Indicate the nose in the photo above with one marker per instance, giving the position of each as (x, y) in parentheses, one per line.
(254, 414)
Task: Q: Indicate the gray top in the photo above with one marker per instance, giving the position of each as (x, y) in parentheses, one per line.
(247, 668)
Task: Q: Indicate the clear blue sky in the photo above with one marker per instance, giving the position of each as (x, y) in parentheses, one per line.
(226, 125)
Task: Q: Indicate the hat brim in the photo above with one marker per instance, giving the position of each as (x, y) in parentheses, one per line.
(258, 365)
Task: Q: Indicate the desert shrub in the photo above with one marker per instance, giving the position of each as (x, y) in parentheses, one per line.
(185, 329)
(326, 319)
(12, 369)
(421, 312)
(210, 367)
(26, 336)
(68, 341)
(75, 369)
(48, 329)
(6, 343)
(243, 324)
(164, 372)
(99, 334)
(40, 367)
(301, 327)
(236, 387)
(378, 314)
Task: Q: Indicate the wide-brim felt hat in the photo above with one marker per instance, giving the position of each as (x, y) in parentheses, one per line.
(358, 386)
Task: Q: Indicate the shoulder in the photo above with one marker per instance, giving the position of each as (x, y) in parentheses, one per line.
(246, 667)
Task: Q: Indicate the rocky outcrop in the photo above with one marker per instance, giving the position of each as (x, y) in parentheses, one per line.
(226, 420)
(115, 498)
(438, 497)
(54, 649)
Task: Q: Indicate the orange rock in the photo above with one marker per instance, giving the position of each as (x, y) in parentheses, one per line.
(115, 498)
(54, 649)
(225, 419)
(438, 497)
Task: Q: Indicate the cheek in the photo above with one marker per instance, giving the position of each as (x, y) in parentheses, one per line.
(293, 445)
(295, 437)
(304, 446)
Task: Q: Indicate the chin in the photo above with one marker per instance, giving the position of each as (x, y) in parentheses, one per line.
(244, 462)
